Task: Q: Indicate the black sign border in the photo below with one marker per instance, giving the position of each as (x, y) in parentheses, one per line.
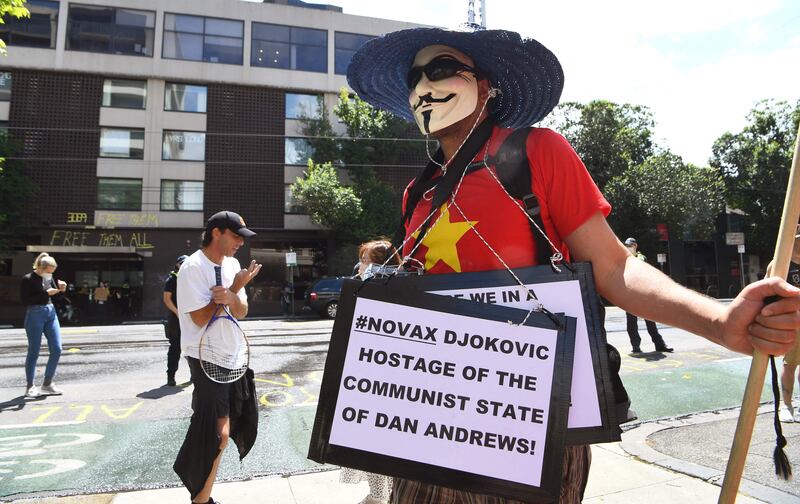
(609, 430)
(320, 450)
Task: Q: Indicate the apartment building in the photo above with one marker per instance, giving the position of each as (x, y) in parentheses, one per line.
(137, 119)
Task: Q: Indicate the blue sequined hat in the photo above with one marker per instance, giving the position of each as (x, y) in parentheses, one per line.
(528, 75)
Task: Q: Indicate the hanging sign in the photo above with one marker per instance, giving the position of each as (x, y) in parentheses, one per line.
(445, 391)
(593, 415)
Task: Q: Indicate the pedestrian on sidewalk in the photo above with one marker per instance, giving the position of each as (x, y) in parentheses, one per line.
(220, 411)
(633, 321)
(173, 327)
(469, 89)
(788, 412)
(36, 292)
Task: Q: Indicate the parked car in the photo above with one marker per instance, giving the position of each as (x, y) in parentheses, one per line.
(323, 296)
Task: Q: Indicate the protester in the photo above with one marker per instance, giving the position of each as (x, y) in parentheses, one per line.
(101, 295)
(371, 254)
(633, 322)
(36, 291)
(469, 89)
(787, 412)
(219, 411)
(173, 328)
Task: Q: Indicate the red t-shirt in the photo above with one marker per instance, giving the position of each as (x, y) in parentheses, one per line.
(566, 192)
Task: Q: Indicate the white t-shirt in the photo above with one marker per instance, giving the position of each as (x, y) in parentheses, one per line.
(195, 280)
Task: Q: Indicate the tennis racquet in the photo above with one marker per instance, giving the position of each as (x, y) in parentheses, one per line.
(224, 351)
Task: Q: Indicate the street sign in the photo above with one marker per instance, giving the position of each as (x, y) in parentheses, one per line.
(661, 258)
(291, 258)
(740, 248)
(734, 238)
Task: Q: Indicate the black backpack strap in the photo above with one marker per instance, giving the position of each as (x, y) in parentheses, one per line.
(513, 170)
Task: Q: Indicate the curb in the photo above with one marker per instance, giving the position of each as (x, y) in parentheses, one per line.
(635, 443)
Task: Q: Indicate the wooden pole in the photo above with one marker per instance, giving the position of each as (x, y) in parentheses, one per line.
(758, 367)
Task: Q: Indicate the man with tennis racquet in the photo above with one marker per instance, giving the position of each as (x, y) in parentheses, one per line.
(211, 298)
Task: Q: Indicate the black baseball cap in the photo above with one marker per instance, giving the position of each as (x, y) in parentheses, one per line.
(229, 220)
(181, 258)
(631, 241)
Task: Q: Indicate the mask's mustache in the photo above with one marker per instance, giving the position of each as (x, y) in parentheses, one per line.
(428, 98)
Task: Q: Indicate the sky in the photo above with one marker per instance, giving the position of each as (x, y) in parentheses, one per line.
(699, 65)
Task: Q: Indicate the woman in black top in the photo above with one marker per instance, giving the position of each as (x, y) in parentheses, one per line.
(36, 291)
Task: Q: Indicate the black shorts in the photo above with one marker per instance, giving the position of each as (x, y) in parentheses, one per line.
(210, 396)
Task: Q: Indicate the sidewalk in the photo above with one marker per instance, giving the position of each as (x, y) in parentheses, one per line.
(622, 473)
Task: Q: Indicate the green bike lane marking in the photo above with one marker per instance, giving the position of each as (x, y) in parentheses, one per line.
(139, 454)
(684, 390)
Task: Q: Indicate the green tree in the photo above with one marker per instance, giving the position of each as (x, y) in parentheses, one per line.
(754, 164)
(16, 192)
(14, 8)
(328, 202)
(664, 189)
(609, 138)
(373, 139)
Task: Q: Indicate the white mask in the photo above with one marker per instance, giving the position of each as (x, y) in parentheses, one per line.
(438, 104)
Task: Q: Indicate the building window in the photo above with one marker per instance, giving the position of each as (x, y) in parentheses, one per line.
(122, 143)
(125, 93)
(297, 151)
(290, 204)
(181, 195)
(184, 146)
(185, 98)
(119, 194)
(110, 30)
(198, 38)
(346, 46)
(37, 31)
(302, 106)
(5, 86)
(290, 47)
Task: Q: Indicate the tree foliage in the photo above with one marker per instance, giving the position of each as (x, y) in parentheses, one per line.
(609, 138)
(754, 164)
(16, 193)
(664, 189)
(14, 8)
(372, 139)
(329, 203)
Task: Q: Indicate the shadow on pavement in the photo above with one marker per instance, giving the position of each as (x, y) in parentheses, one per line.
(19, 403)
(649, 356)
(162, 391)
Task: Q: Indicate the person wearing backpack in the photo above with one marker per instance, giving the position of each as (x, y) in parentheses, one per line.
(470, 89)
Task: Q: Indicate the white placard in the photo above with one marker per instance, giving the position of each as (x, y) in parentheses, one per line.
(661, 258)
(734, 238)
(291, 258)
(740, 248)
(454, 411)
(558, 297)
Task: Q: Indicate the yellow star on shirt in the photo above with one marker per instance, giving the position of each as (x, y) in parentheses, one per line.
(441, 241)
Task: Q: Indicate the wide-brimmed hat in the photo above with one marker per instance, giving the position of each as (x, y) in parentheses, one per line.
(528, 75)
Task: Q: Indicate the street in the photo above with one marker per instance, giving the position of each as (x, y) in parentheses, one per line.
(117, 427)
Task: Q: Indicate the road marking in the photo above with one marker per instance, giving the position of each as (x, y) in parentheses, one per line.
(123, 412)
(50, 411)
(289, 382)
(32, 425)
(732, 359)
(79, 331)
(60, 466)
(74, 350)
